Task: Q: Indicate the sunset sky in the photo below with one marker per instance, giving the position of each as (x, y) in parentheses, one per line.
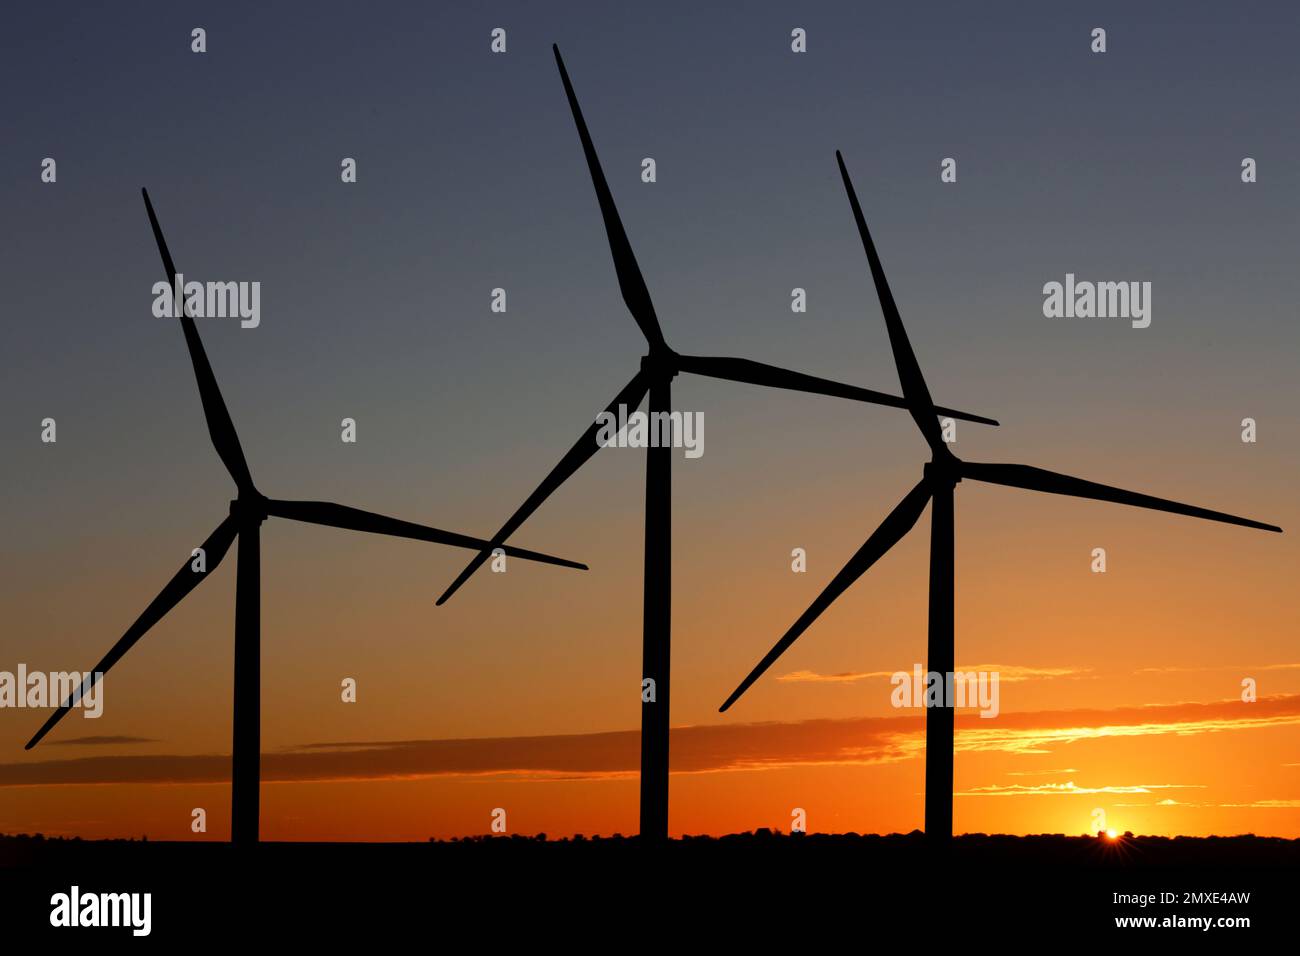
(1120, 691)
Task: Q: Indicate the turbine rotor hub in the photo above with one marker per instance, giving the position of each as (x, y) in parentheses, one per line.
(249, 508)
(943, 470)
(661, 363)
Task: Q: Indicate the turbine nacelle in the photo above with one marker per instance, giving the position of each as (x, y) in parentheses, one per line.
(661, 364)
(252, 507)
(944, 470)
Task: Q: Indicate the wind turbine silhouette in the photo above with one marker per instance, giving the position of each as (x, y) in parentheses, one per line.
(658, 368)
(938, 485)
(247, 512)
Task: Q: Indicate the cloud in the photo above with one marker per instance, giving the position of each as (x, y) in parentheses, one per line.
(710, 748)
(848, 677)
(101, 741)
(1039, 733)
(1244, 668)
(1039, 773)
(1253, 805)
(1007, 674)
(1069, 788)
(587, 756)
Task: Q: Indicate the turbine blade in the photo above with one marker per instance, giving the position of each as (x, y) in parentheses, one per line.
(757, 373)
(630, 281)
(182, 583)
(896, 524)
(354, 519)
(220, 426)
(586, 446)
(915, 391)
(1038, 479)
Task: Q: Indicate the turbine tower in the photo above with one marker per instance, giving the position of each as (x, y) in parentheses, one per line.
(247, 512)
(937, 486)
(658, 368)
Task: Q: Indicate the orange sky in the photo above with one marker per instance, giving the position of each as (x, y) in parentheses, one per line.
(458, 714)
(1184, 768)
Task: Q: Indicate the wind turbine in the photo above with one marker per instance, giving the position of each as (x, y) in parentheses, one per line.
(247, 512)
(658, 368)
(937, 486)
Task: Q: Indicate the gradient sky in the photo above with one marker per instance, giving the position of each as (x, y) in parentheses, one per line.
(375, 306)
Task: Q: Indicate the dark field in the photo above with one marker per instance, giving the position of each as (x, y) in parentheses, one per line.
(755, 884)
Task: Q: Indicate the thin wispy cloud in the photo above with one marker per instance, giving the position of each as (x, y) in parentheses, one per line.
(1030, 733)
(1252, 805)
(1070, 788)
(1007, 673)
(101, 741)
(1039, 773)
(848, 677)
(1244, 668)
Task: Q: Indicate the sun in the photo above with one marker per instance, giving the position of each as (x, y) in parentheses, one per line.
(1111, 835)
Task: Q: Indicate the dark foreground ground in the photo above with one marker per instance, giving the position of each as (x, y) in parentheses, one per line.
(1018, 892)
